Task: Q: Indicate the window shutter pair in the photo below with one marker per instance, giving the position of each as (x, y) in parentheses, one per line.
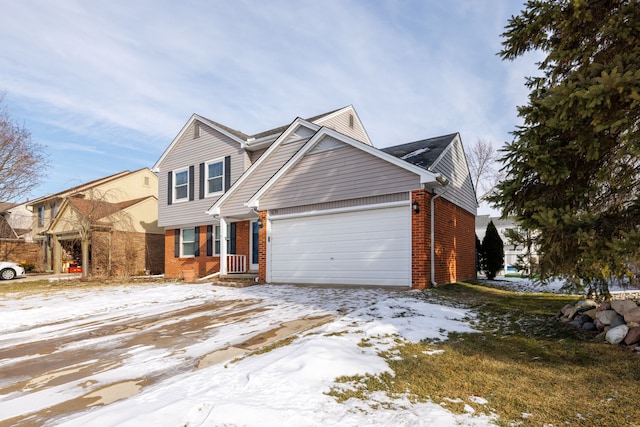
(196, 242)
(227, 176)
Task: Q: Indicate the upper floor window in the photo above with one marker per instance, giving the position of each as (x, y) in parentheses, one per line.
(181, 185)
(41, 216)
(54, 209)
(215, 177)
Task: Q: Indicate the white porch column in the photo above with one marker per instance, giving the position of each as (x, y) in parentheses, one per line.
(223, 246)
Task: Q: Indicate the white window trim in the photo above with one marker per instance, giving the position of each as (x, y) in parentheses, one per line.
(174, 192)
(182, 255)
(206, 177)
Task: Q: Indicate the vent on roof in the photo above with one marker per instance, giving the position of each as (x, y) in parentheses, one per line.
(196, 130)
(351, 121)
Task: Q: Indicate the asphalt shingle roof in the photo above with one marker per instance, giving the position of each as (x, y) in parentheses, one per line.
(421, 153)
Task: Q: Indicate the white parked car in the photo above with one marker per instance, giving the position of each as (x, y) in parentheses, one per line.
(11, 270)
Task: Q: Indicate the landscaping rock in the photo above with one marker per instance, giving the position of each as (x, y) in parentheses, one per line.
(591, 313)
(633, 336)
(617, 321)
(581, 306)
(622, 306)
(589, 326)
(633, 315)
(606, 316)
(605, 306)
(616, 335)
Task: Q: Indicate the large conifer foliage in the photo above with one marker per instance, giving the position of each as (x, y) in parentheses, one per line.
(573, 168)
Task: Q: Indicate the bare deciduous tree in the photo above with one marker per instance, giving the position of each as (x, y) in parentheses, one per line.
(22, 160)
(483, 166)
(92, 215)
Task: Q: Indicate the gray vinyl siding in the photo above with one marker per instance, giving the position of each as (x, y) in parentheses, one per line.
(340, 174)
(453, 165)
(191, 152)
(340, 204)
(235, 204)
(340, 123)
(255, 155)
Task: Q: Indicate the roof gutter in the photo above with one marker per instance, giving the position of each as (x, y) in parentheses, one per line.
(444, 182)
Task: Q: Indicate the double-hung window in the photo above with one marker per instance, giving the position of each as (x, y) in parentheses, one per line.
(41, 216)
(215, 177)
(187, 242)
(181, 185)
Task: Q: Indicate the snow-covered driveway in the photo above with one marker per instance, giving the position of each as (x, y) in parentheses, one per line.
(184, 354)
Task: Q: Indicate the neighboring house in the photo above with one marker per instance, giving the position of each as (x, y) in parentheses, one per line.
(117, 215)
(315, 203)
(16, 244)
(511, 251)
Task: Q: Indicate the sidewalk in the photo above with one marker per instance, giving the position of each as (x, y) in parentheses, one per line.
(32, 277)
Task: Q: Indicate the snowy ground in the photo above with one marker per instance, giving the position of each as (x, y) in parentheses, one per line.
(159, 378)
(283, 387)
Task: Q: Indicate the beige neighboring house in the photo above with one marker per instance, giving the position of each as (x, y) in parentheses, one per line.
(16, 243)
(117, 216)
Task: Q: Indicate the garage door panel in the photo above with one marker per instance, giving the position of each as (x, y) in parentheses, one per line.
(363, 247)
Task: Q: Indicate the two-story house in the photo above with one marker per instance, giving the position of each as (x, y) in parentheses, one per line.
(315, 202)
(117, 216)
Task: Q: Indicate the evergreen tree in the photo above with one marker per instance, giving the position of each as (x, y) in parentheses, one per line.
(492, 252)
(573, 168)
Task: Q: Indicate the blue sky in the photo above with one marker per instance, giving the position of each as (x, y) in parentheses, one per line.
(107, 85)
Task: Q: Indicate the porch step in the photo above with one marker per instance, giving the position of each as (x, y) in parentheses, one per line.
(238, 280)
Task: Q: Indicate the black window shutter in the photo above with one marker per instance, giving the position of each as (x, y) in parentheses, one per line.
(176, 243)
(196, 242)
(201, 180)
(227, 173)
(232, 239)
(170, 188)
(191, 182)
(209, 240)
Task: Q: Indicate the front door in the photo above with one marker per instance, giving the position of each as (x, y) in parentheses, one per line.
(254, 246)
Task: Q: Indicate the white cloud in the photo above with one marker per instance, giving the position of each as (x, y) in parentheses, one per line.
(127, 75)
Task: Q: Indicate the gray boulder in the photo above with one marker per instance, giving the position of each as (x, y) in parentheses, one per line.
(606, 316)
(617, 321)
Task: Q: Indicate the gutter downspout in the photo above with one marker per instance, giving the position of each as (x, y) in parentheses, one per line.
(432, 213)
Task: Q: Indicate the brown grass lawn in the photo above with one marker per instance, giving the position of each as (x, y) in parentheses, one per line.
(532, 369)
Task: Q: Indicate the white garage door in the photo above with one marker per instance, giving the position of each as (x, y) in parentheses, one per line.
(369, 247)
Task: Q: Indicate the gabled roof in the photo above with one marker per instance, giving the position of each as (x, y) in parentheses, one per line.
(424, 153)
(426, 177)
(5, 206)
(82, 187)
(284, 135)
(236, 135)
(98, 209)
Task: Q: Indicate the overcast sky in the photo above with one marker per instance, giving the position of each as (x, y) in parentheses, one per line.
(107, 85)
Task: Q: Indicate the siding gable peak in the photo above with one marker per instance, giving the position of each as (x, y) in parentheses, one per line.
(426, 177)
(297, 128)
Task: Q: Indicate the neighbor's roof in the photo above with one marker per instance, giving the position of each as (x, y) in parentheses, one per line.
(483, 220)
(422, 153)
(98, 209)
(5, 206)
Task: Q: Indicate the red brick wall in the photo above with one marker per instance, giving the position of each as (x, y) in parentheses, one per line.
(454, 233)
(19, 251)
(203, 265)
